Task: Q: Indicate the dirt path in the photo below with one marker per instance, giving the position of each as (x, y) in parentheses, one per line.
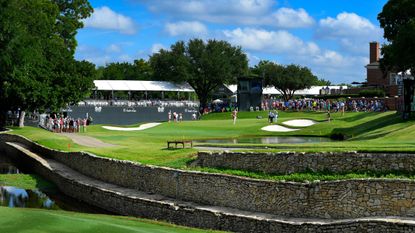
(86, 140)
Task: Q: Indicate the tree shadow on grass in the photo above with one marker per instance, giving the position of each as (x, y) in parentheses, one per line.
(359, 116)
(350, 132)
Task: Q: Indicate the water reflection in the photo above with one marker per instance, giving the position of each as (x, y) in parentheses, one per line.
(7, 167)
(17, 197)
(268, 140)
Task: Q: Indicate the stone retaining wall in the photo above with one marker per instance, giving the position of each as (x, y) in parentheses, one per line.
(289, 162)
(198, 217)
(335, 199)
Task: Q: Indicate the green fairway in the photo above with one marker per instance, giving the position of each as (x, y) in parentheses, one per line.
(45, 221)
(365, 132)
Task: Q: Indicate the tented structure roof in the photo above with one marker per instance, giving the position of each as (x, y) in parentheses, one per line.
(132, 85)
(314, 90)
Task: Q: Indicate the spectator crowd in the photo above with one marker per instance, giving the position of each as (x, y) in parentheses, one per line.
(63, 124)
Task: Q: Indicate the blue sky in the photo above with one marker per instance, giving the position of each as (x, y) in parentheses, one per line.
(330, 37)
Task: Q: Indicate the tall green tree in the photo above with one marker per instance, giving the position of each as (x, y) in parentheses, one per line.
(287, 79)
(398, 21)
(204, 65)
(138, 70)
(37, 45)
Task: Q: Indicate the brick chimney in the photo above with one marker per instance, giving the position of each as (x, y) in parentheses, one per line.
(374, 52)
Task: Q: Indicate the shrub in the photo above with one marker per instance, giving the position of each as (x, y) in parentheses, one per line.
(372, 93)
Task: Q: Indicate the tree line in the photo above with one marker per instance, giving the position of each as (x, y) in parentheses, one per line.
(38, 70)
(206, 65)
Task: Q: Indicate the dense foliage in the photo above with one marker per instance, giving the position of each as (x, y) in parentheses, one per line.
(286, 79)
(398, 21)
(204, 65)
(138, 70)
(37, 46)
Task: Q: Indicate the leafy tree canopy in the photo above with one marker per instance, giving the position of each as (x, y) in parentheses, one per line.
(139, 70)
(287, 79)
(398, 21)
(204, 65)
(323, 82)
(37, 43)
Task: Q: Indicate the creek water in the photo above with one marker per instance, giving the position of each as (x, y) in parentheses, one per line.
(267, 140)
(16, 197)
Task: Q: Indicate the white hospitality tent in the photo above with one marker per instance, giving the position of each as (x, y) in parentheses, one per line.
(132, 85)
(143, 86)
(312, 91)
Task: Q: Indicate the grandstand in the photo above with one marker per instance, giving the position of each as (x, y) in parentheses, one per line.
(123, 102)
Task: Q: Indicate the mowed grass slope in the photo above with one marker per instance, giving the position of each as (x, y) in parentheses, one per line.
(365, 132)
(48, 221)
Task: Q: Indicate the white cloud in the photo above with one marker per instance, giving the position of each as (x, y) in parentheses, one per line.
(287, 48)
(351, 31)
(208, 7)
(290, 18)
(237, 12)
(186, 28)
(113, 48)
(278, 42)
(156, 48)
(347, 24)
(105, 18)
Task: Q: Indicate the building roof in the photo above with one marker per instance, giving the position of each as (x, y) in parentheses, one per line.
(133, 85)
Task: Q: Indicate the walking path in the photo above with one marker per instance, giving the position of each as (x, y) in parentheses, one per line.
(142, 127)
(87, 140)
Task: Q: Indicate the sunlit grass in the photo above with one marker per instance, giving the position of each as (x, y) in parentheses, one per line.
(365, 132)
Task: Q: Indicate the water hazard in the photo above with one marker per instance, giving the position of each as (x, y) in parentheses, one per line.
(267, 140)
(17, 197)
(7, 167)
(49, 198)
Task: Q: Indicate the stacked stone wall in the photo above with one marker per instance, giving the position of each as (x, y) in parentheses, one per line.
(290, 162)
(331, 199)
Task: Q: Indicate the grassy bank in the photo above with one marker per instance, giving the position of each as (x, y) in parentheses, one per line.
(25, 181)
(310, 176)
(365, 132)
(44, 221)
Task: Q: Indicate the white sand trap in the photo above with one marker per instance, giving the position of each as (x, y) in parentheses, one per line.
(277, 128)
(299, 123)
(142, 127)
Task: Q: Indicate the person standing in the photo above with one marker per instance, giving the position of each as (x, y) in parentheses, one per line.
(169, 116)
(85, 121)
(275, 116)
(234, 115)
(270, 117)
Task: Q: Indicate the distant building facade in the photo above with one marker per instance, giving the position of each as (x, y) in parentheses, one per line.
(391, 83)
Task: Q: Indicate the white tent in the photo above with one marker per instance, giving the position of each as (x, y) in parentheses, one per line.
(130, 85)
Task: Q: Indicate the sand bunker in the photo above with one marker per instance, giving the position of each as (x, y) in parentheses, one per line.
(299, 123)
(277, 128)
(142, 127)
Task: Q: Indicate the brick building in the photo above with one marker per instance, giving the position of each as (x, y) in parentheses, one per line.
(376, 78)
